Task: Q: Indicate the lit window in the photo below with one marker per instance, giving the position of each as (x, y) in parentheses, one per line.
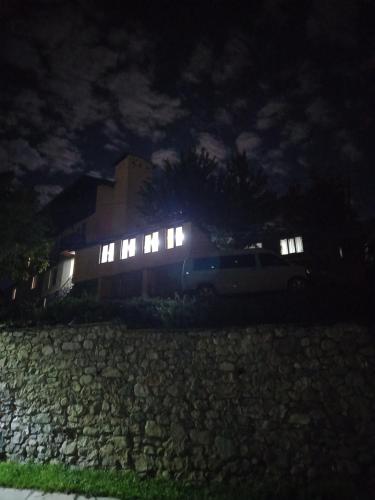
(175, 237)
(151, 242)
(14, 293)
(128, 248)
(71, 270)
(108, 253)
(284, 247)
(33, 283)
(291, 245)
(299, 244)
(256, 245)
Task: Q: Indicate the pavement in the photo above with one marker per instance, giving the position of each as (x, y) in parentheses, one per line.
(13, 494)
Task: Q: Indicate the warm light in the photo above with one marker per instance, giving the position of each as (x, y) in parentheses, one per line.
(108, 253)
(291, 245)
(33, 283)
(128, 248)
(175, 237)
(71, 270)
(170, 237)
(14, 293)
(284, 247)
(299, 244)
(179, 236)
(151, 242)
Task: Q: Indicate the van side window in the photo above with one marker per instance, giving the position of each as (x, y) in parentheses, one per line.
(268, 260)
(206, 264)
(237, 261)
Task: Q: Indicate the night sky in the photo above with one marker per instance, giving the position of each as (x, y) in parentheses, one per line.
(289, 82)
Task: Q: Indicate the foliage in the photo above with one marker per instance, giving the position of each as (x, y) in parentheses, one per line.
(225, 200)
(195, 312)
(24, 246)
(322, 206)
(126, 485)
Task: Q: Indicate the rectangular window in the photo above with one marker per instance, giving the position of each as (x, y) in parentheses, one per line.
(71, 269)
(299, 244)
(14, 293)
(151, 242)
(175, 237)
(128, 248)
(291, 245)
(107, 253)
(33, 283)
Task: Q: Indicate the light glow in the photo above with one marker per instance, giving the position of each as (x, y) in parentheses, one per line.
(151, 242)
(175, 237)
(170, 237)
(108, 253)
(299, 244)
(291, 245)
(128, 248)
(284, 247)
(71, 270)
(179, 236)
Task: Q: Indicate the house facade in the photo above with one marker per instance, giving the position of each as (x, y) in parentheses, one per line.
(110, 251)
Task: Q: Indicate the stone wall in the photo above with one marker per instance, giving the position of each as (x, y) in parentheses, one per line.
(194, 405)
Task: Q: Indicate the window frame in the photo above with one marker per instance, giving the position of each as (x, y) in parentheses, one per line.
(152, 236)
(110, 245)
(176, 239)
(292, 245)
(131, 245)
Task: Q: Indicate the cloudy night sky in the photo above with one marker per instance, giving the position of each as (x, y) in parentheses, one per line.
(290, 82)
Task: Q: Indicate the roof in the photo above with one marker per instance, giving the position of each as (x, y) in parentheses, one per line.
(75, 203)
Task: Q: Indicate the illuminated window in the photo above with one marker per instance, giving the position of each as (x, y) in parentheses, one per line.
(128, 248)
(33, 283)
(108, 253)
(291, 245)
(14, 293)
(71, 270)
(151, 242)
(175, 237)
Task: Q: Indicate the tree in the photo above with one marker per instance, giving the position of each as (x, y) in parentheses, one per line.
(225, 201)
(322, 207)
(24, 248)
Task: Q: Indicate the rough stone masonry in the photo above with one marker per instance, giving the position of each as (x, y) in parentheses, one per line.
(196, 405)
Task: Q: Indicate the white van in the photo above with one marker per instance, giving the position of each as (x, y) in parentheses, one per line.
(244, 271)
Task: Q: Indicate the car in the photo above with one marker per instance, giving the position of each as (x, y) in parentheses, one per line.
(239, 272)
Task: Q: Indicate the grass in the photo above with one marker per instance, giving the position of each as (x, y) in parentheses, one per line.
(90, 482)
(127, 486)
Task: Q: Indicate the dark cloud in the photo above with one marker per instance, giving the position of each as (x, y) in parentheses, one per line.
(288, 83)
(214, 146)
(249, 143)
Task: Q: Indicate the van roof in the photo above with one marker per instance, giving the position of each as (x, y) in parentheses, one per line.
(230, 251)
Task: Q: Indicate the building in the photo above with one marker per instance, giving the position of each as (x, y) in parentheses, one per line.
(105, 248)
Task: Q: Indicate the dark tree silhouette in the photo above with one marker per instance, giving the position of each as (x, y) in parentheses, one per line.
(224, 200)
(24, 248)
